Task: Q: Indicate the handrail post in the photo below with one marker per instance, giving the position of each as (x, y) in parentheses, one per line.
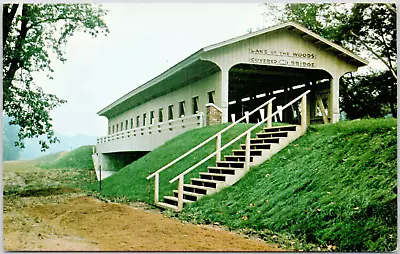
(247, 153)
(180, 193)
(262, 113)
(218, 146)
(304, 112)
(269, 113)
(246, 113)
(156, 184)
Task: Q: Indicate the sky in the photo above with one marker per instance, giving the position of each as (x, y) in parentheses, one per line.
(144, 41)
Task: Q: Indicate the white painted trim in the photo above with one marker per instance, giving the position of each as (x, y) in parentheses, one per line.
(215, 106)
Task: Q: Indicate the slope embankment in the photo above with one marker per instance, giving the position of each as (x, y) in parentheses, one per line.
(336, 187)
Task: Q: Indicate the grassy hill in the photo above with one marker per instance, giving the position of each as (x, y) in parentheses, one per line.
(335, 186)
(78, 158)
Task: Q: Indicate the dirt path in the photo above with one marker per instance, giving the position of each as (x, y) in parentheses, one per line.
(40, 213)
(72, 222)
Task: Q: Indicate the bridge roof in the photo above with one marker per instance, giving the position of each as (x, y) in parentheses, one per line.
(195, 59)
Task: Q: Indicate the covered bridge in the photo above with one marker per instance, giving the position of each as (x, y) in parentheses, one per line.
(220, 82)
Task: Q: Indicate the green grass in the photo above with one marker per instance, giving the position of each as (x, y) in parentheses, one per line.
(78, 158)
(335, 186)
(130, 182)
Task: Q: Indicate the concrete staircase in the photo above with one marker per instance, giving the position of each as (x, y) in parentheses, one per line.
(230, 170)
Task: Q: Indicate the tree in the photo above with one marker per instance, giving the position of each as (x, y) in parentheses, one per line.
(363, 28)
(362, 96)
(33, 34)
(372, 27)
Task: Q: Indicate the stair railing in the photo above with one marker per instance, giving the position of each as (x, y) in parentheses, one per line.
(218, 144)
(247, 152)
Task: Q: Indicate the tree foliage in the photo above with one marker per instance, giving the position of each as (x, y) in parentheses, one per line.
(362, 95)
(372, 28)
(33, 35)
(325, 19)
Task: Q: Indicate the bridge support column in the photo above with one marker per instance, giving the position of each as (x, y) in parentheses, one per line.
(333, 110)
(224, 93)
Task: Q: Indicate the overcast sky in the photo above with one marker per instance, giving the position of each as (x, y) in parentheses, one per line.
(144, 41)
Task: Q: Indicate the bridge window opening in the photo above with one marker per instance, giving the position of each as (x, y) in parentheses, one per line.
(170, 112)
(144, 119)
(181, 108)
(137, 121)
(246, 99)
(211, 96)
(122, 126)
(126, 124)
(151, 117)
(261, 95)
(231, 102)
(113, 129)
(195, 101)
(109, 130)
(117, 128)
(160, 115)
(131, 123)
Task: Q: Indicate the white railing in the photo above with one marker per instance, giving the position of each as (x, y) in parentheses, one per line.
(218, 143)
(247, 152)
(184, 122)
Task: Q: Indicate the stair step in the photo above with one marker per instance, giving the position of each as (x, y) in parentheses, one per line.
(252, 152)
(223, 170)
(190, 193)
(264, 140)
(282, 134)
(213, 176)
(174, 200)
(167, 206)
(205, 182)
(193, 196)
(281, 128)
(231, 164)
(240, 158)
(196, 188)
(256, 146)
